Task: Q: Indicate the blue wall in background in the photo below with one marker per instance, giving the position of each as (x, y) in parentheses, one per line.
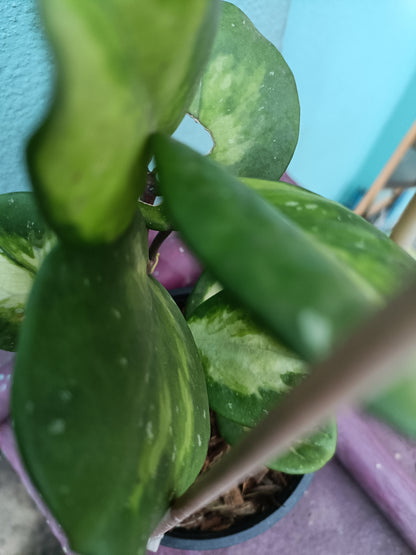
(25, 77)
(355, 66)
(354, 63)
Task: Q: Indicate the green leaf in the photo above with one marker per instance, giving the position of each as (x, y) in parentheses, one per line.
(124, 70)
(286, 277)
(397, 404)
(306, 455)
(205, 288)
(357, 244)
(154, 216)
(109, 399)
(24, 242)
(248, 100)
(247, 370)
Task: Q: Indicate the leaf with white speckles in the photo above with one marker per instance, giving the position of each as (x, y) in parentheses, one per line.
(283, 275)
(306, 455)
(24, 242)
(362, 249)
(124, 70)
(104, 394)
(247, 370)
(248, 100)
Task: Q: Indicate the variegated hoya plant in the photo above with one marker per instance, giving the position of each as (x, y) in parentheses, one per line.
(112, 387)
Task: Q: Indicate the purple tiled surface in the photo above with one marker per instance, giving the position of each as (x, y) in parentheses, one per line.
(335, 517)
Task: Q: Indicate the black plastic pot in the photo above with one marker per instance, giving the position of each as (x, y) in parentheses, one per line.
(248, 528)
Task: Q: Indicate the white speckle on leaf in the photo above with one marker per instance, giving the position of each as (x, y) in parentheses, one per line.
(86, 282)
(244, 21)
(260, 109)
(230, 141)
(360, 245)
(19, 310)
(177, 409)
(311, 206)
(199, 440)
(174, 454)
(123, 361)
(116, 313)
(204, 414)
(232, 24)
(57, 427)
(230, 405)
(271, 73)
(65, 395)
(149, 430)
(291, 203)
(315, 329)
(11, 201)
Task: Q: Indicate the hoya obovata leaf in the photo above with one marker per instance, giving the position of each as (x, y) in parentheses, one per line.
(363, 249)
(247, 370)
(306, 455)
(24, 242)
(109, 399)
(124, 70)
(247, 373)
(302, 294)
(248, 100)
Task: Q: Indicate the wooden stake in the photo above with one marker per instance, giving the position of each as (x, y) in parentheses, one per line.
(387, 171)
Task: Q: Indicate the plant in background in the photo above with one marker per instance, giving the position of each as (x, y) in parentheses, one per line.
(109, 401)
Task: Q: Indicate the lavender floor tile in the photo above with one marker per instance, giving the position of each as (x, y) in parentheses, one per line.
(333, 518)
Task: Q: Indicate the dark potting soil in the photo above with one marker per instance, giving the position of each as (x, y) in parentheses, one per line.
(261, 494)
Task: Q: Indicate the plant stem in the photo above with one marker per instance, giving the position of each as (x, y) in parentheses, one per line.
(404, 232)
(355, 366)
(156, 244)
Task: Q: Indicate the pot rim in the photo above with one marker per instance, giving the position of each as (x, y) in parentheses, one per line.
(240, 536)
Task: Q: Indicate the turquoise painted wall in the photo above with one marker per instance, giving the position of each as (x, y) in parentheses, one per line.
(354, 63)
(355, 66)
(25, 77)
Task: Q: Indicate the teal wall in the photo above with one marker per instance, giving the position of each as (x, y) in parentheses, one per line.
(354, 62)
(25, 77)
(355, 66)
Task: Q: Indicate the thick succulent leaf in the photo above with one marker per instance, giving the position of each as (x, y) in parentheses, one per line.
(154, 216)
(125, 69)
(303, 293)
(372, 255)
(24, 242)
(306, 455)
(109, 399)
(205, 288)
(247, 370)
(248, 100)
(352, 240)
